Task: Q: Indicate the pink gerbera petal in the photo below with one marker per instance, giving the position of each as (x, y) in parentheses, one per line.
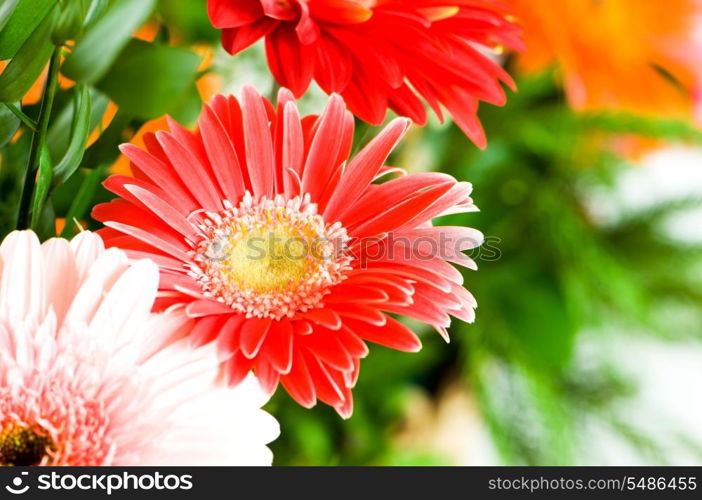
(90, 376)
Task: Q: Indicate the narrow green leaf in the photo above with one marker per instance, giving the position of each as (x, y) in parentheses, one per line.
(70, 21)
(46, 223)
(105, 150)
(6, 10)
(19, 114)
(41, 189)
(9, 124)
(80, 130)
(24, 19)
(105, 39)
(27, 65)
(82, 201)
(59, 134)
(147, 80)
(95, 11)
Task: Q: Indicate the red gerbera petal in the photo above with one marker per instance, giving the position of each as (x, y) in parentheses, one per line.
(216, 207)
(379, 55)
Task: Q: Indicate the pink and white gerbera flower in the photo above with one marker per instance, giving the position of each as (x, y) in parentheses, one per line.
(89, 376)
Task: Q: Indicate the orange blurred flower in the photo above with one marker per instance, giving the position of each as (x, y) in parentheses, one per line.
(121, 166)
(210, 83)
(638, 56)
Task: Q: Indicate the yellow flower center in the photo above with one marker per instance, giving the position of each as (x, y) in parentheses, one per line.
(270, 258)
(273, 256)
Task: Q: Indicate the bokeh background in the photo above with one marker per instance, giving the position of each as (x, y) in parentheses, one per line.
(586, 349)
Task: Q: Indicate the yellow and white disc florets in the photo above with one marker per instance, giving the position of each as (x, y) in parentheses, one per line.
(270, 258)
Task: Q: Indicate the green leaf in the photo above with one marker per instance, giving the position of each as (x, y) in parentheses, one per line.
(6, 11)
(24, 19)
(14, 158)
(70, 21)
(9, 124)
(19, 114)
(80, 130)
(147, 80)
(59, 134)
(27, 65)
(105, 149)
(96, 10)
(82, 201)
(189, 19)
(105, 39)
(41, 190)
(188, 107)
(46, 223)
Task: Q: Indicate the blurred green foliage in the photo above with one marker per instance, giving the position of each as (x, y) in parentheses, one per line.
(93, 44)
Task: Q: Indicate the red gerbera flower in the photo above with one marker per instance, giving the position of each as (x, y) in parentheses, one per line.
(381, 54)
(285, 254)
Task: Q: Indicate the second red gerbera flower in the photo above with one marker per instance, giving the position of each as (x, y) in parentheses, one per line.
(381, 54)
(285, 254)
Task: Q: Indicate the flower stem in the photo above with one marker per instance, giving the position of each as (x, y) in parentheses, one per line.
(38, 139)
(273, 95)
